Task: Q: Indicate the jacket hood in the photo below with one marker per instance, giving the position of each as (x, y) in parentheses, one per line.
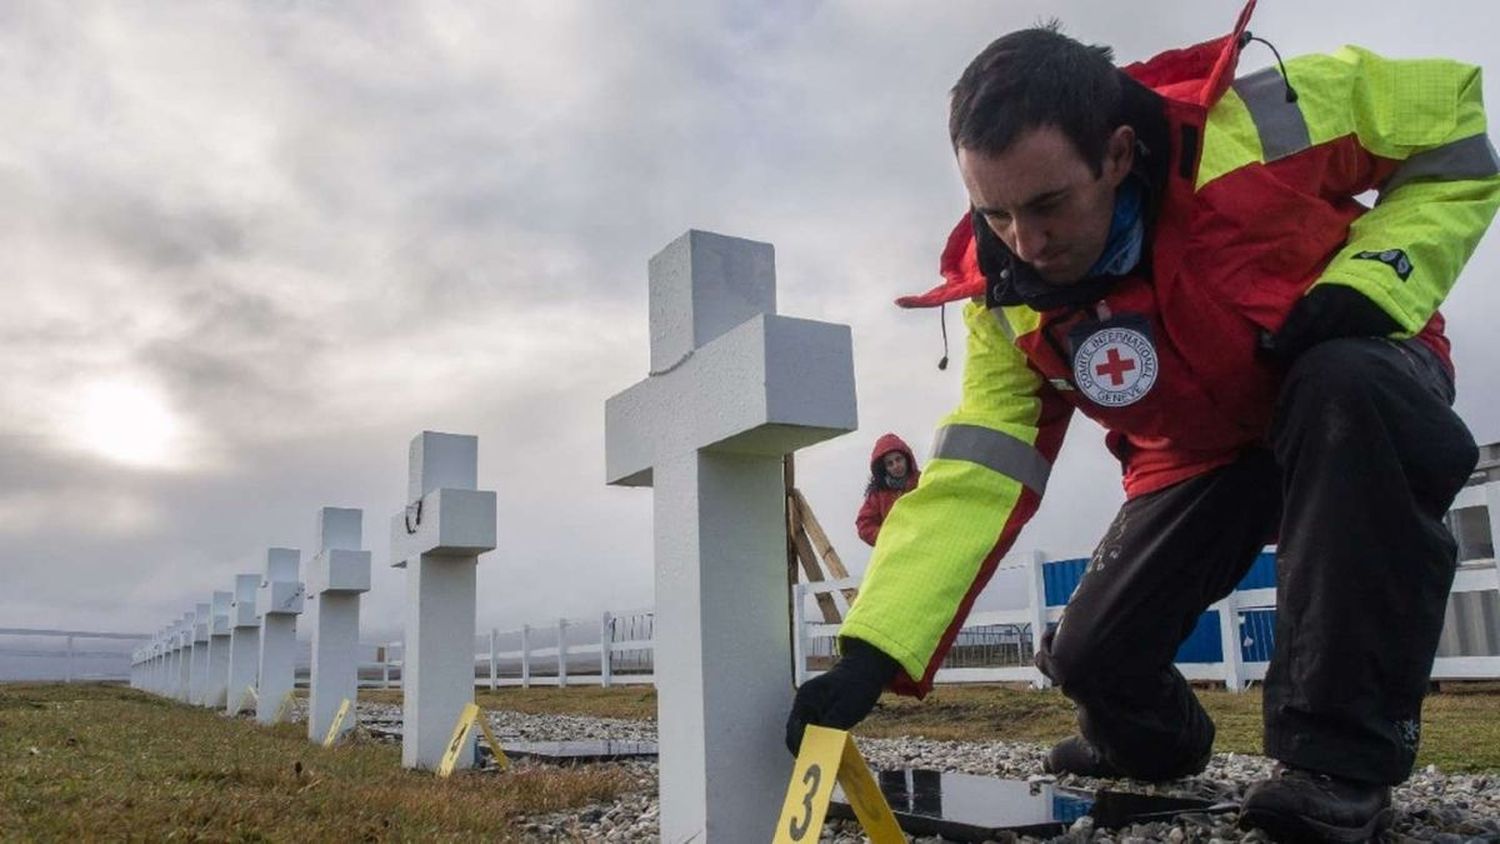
(888, 443)
(1195, 76)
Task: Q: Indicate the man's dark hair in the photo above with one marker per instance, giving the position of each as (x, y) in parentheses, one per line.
(1032, 78)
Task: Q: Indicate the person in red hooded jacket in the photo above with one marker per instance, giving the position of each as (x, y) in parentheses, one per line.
(893, 473)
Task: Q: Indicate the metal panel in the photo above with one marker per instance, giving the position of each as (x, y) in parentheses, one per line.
(1061, 578)
(1257, 635)
(1472, 625)
(1203, 645)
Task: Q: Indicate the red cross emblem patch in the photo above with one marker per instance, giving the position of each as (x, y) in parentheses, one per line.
(1115, 366)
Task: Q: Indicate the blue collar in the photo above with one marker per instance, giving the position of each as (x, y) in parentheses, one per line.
(1127, 232)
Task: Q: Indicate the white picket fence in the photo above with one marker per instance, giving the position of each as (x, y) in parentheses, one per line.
(1233, 670)
(618, 637)
(84, 654)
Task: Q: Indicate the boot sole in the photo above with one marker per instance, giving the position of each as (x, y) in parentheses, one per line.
(1299, 828)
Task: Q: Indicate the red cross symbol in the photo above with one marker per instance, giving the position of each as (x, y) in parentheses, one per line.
(1115, 367)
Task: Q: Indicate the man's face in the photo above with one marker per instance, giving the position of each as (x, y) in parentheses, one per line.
(1044, 201)
(895, 464)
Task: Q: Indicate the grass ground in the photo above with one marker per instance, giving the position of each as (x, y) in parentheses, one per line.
(89, 762)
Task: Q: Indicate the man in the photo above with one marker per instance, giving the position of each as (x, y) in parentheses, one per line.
(1181, 256)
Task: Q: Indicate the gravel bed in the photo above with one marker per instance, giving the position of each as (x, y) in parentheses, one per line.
(1431, 806)
(385, 718)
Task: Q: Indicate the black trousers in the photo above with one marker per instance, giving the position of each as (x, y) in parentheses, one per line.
(1364, 458)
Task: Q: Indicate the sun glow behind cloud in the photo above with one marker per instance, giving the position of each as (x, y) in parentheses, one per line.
(128, 423)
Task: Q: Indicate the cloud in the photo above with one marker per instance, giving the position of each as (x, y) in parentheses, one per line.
(316, 230)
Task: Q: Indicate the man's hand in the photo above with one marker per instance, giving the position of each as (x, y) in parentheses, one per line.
(1328, 312)
(844, 695)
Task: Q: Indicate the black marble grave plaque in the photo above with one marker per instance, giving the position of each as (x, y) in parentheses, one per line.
(578, 751)
(963, 807)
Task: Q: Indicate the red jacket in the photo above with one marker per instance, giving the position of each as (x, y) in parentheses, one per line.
(881, 498)
(1236, 240)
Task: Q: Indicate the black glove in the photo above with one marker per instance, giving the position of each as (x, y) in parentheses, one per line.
(844, 695)
(1329, 312)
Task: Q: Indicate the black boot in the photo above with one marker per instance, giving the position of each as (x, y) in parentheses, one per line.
(1074, 755)
(1303, 805)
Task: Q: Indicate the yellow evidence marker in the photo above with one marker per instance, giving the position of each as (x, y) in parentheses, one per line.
(338, 722)
(467, 720)
(828, 755)
(248, 693)
(284, 709)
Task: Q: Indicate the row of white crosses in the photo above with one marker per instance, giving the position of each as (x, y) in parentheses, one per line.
(238, 652)
(733, 388)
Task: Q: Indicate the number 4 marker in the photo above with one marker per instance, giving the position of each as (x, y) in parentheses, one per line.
(829, 755)
(467, 721)
(284, 709)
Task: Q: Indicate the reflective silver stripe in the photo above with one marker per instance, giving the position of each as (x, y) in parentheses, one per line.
(993, 450)
(1471, 158)
(1280, 124)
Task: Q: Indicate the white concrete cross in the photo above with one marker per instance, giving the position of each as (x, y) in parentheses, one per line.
(278, 602)
(158, 678)
(216, 686)
(335, 579)
(244, 643)
(155, 673)
(182, 658)
(198, 648)
(438, 540)
(733, 388)
(171, 672)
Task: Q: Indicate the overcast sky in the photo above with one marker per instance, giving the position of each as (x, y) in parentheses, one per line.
(250, 249)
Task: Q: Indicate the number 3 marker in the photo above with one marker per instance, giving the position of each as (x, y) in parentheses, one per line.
(807, 796)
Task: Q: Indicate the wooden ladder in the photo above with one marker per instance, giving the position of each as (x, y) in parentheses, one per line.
(809, 548)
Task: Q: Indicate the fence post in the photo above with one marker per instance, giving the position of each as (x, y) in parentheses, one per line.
(494, 634)
(799, 634)
(1036, 596)
(606, 641)
(1492, 507)
(1229, 635)
(69, 669)
(562, 653)
(526, 656)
